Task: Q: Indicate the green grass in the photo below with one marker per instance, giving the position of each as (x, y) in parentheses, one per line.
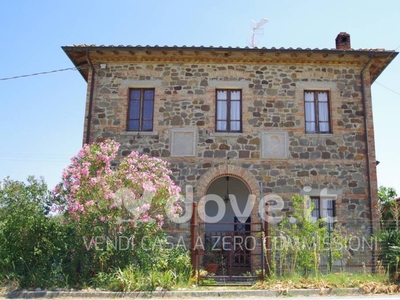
(335, 280)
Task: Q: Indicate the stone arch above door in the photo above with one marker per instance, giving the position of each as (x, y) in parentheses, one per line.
(227, 170)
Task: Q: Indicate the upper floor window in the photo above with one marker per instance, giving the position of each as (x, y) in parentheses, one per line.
(317, 112)
(141, 109)
(229, 111)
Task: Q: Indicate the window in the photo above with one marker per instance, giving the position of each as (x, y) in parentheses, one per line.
(317, 112)
(141, 107)
(323, 208)
(229, 110)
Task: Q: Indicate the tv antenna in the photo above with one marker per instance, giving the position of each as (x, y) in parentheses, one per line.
(256, 30)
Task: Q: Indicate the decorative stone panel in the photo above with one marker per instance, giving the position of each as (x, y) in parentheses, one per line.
(274, 144)
(183, 142)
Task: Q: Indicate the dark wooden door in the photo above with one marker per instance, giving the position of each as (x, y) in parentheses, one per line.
(241, 245)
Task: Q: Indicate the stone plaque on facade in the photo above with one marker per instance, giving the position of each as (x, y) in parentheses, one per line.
(274, 144)
(183, 141)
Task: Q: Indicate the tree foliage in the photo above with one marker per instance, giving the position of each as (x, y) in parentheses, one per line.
(32, 244)
(389, 235)
(303, 243)
(386, 196)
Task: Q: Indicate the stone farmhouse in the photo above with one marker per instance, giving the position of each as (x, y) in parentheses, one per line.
(234, 122)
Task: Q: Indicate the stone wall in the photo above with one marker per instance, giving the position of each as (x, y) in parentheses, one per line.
(272, 100)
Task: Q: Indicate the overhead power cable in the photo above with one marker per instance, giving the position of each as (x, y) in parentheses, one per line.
(34, 157)
(82, 68)
(41, 73)
(389, 89)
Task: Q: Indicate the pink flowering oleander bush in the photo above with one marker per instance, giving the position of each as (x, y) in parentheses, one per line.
(132, 194)
(118, 210)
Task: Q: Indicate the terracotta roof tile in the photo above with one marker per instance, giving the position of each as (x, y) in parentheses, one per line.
(229, 47)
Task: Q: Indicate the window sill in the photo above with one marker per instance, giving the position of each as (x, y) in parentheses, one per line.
(226, 133)
(319, 134)
(140, 133)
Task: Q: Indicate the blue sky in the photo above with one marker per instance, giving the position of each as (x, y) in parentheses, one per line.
(41, 117)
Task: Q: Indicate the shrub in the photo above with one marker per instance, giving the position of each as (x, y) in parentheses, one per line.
(389, 255)
(33, 245)
(389, 236)
(300, 242)
(119, 211)
(154, 266)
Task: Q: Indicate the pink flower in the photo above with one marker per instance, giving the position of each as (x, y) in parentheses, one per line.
(148, 186)
(146, 206)
(145, 218)
(160, 225)
(56, 190)
(80, 153)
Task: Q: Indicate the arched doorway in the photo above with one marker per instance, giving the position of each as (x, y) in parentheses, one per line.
(227, 170)
(235, 196)
(227, 219)
(232, 241)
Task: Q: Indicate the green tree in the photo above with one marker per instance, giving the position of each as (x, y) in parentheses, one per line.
(302, 239)
(389, 236)
(33, 245)
(386, 196)
(302, 243)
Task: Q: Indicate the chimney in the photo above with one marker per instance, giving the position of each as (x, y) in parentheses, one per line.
(343, 41)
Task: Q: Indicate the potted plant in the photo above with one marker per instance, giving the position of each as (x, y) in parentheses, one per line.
(212, 256)
(212, 261)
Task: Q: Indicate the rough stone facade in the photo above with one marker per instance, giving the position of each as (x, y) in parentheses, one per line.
(272, 84)
(272, 99)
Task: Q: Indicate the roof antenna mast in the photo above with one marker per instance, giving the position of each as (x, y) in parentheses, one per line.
(256, 30)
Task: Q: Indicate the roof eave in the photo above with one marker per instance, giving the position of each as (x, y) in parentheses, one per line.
(82, 68)
(83, 65)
